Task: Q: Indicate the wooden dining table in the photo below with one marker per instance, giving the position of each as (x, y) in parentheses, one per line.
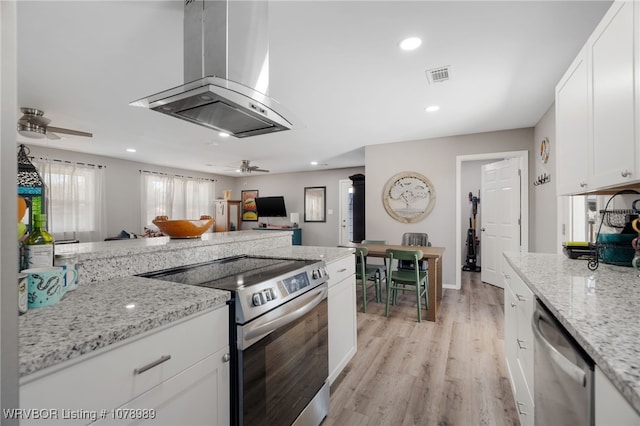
(433, 256)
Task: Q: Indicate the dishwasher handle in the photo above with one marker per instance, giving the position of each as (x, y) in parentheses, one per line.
(574, 372)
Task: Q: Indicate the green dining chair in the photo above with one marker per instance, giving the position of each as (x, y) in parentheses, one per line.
(381, 266)
(366, 273)
(406, 279)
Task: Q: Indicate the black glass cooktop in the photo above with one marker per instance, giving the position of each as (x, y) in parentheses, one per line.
(230, 274)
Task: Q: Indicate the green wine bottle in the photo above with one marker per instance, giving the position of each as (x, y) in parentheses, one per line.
(38, 247)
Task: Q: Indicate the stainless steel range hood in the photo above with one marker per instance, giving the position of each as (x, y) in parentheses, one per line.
(226, 71)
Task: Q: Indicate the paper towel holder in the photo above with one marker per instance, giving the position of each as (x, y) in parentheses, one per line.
(295, 218)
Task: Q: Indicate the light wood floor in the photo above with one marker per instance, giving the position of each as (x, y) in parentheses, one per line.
(451, 372)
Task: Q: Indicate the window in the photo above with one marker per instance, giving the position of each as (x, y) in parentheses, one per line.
(178, 197)
(76, 199)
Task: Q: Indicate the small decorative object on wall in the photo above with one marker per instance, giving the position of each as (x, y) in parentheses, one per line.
(545, 150)
(249, 212)
(315, 204)
(409, 197)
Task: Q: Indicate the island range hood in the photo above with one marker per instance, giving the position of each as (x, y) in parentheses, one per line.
(226, 71)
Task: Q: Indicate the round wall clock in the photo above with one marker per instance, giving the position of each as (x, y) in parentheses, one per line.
(408, 197)
(544, 150)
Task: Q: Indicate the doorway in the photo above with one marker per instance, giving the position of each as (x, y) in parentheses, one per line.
(461, 194)
(346, 212)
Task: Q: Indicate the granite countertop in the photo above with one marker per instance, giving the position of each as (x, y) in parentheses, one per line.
(599, 308)
(328, 254)
(137, 246)
(99, 314)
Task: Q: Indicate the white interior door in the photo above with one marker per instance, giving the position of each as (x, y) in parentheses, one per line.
(500, 218)
(346, 211)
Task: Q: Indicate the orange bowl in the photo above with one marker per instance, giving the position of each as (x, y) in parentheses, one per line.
(183, 228)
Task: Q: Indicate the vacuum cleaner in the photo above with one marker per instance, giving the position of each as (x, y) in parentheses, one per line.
(472, 239)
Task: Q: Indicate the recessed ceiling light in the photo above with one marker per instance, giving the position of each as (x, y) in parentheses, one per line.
(410, 43)
(432, 108)
(224, 134)
(314, 163)
(131, 150)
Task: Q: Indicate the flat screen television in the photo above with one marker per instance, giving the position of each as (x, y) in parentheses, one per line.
(271, 207)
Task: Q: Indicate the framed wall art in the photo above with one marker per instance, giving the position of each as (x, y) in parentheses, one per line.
(408, 197)
(315, 204)
(249, 212)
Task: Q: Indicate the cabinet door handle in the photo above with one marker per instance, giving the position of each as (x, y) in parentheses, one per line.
(521, 298)
(226, 358)
(521, 344)
(583, 184)
(625, 173)
(514, 304)
(342, 270)
(163, 358)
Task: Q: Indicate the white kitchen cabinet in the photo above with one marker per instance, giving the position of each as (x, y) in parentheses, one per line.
(610, 406)
(573, 139)
(197, 396)
(189, 357)
(611, 52)
(343, 325)
(596, 125)
(518, 341)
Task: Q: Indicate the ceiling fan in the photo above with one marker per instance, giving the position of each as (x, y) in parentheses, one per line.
(245, 167)
(33, 125)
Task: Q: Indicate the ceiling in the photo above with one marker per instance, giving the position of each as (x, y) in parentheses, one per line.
(335, 64)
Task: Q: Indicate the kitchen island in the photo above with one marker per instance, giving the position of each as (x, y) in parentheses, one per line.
(116, 323)
(598, 308)
(111, 304)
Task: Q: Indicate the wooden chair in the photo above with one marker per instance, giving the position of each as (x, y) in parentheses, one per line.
(407, 279)
(365, 273)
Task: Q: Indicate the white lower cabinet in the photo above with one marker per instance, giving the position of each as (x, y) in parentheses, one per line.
(518, 342)
(343, 325)
(177, 374)
(610, 406)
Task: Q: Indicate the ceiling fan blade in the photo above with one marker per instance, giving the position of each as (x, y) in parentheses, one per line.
(69, 131)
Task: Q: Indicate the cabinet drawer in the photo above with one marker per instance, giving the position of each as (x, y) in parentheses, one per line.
(341, 269)
(108, 378)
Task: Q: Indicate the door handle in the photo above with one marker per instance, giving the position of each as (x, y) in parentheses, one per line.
(482, 229)
(140, 370)
(574, 372)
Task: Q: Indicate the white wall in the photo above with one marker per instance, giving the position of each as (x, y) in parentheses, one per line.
(436, 159)
(123, 190)
(8, 213)
(291, 186)
(543, 202)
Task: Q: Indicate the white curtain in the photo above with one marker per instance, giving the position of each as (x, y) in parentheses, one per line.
(178, 197)
(76, 200)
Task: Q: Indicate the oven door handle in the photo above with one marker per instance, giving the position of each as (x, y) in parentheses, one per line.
(257, 332)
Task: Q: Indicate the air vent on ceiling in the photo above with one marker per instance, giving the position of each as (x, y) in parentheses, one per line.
(438, 75)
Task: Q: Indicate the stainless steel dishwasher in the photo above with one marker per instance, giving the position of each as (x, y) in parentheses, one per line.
(563, 374)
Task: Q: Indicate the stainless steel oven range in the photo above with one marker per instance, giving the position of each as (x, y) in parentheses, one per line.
(278, 335)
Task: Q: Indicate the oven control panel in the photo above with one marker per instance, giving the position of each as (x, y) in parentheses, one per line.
(264, 296)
